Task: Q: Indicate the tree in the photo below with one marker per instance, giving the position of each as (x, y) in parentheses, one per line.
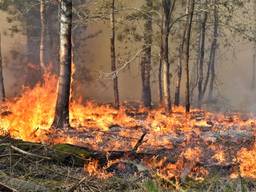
(146, 58)
(167, 9)
(214, 49)
(113, 55)
(2, 88)
(43, 33)
(254, 54)
(180, 59)
(203, 20)
(61, 118)
(190, 12)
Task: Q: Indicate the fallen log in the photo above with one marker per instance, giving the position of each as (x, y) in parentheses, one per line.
(73, 155)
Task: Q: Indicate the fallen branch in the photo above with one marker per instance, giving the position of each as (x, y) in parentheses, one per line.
(140, 142)
(76, 185)
(28, 153)
(6, 188)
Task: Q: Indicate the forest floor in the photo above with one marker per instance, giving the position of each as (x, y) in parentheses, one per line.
(25, 167)
(206, 152)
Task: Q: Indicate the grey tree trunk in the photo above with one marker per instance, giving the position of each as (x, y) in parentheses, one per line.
(33, 46)
(167, 6)
(160, 86)
(61, 118)
(195, 69)
(203, 20)
(113, 55)
(2, 88)
(43, 35)
(214, 49)
(254, 54)
(180, 60)
(190, 11)
(146, 58)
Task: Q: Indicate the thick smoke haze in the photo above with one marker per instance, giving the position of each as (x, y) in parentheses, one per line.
(234, 67)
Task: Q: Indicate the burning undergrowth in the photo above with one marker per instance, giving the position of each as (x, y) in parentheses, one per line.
(135, 140)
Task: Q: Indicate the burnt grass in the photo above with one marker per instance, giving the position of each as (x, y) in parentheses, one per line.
(26, 166)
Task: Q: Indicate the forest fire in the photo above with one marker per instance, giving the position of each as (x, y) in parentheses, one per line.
(199, 139)
(185, 62)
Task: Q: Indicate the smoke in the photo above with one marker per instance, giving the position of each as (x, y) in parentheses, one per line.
(234, 68)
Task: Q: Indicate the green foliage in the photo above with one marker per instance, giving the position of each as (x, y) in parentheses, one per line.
(151, 186)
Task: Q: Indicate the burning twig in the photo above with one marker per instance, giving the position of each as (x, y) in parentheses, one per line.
(139, 142)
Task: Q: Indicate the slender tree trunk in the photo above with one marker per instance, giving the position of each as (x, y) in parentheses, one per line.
(190, 11)
(52, 36)
(253, 69)
(180, 60)
(167, 10)
(208, 72)
(146, 59)
(201, 51)
(2, 88)
(195, 70)
(214, 49)
(43, 34)
(61, 118)
(113, 55)
(33, 46)
(160, 86)
(254, 54)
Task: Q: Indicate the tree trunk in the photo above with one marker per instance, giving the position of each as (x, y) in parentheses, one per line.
(160, 86)
(254, 54)
(33, 46)
(2, 88)
(203, 20)
(190, 11)
(253, 69)
(195, 70)
(180, 60)
(61, 119)
(43, 35)
(214, 49)
(53, 36)
(113, 55)
(146, 59)
(168, 7)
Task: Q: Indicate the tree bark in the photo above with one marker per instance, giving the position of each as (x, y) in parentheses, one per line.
(61, 119)
(190, 11)
(214, 49)
(180, 60)
(33, 46)
(254, 54)
(146, 58)
(53, 36)
(43, 34)
(203, 20)
(2, 87)
(160, 86)
(113, 55)
(167, 7)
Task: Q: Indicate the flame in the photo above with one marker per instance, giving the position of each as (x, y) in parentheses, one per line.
(29, 118)
(220, 156)
(247, 160)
